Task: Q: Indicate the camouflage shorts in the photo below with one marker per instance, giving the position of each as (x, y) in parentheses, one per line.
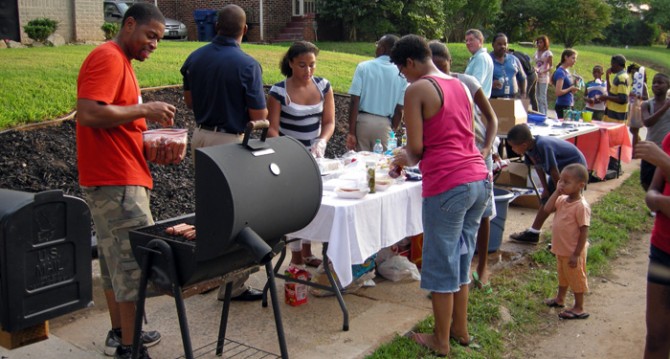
(115, 211)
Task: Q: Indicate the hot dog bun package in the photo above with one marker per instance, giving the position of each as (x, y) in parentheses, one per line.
(165, 146)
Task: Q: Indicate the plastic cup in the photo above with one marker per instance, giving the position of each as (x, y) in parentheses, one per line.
(587, 116)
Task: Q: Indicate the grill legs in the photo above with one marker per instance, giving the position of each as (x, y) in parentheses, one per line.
(161, 248)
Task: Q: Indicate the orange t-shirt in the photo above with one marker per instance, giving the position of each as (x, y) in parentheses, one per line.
(568, 219)
(111, 156)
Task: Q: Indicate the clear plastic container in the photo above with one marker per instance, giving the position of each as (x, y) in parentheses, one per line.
(165, 146)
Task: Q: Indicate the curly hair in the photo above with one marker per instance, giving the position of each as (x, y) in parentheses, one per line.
(412, 47)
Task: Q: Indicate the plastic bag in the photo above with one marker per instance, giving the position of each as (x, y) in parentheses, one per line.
(165, 146)
(398, 268)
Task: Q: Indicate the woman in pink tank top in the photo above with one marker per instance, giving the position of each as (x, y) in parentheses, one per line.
(440, 138)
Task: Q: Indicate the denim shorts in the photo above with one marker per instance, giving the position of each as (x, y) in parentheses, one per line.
(450, 223)
(659, 267)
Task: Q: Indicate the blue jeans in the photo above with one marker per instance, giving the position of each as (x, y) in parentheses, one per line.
(450, 223)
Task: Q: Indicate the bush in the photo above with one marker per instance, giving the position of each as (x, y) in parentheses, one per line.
(110, 29)
(40, 29)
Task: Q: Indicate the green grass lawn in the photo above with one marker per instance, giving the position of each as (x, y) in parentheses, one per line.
(40, 83)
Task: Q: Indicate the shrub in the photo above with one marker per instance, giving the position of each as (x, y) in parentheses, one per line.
(41, 28)
(110, 29)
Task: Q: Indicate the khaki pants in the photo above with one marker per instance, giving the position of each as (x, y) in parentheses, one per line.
(206, 138)
(370, 128)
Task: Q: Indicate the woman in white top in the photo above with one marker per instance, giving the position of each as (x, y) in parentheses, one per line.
(303, 107)
(543, 61)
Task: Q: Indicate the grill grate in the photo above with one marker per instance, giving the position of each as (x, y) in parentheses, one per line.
(233, 349)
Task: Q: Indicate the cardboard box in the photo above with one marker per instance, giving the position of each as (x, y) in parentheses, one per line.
(515, 176)
(510, 112)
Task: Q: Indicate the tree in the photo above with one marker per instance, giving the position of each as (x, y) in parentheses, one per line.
(372, 17)
(574, 21)
(463, 15)
(422, 17)
(659, 13)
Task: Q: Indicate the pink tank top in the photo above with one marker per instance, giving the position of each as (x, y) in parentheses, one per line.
(450, 157)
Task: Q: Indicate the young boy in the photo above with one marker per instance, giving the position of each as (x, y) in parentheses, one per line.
(638, 94)
(656, 118)
(570, 230)
(549, 155)
(594, 90)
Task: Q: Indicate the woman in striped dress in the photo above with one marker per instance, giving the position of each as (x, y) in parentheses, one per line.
(303, 107)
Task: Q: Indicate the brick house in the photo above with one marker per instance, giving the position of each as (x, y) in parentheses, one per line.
(80, 20)
(268, 20)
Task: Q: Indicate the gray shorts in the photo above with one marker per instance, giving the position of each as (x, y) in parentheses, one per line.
(115, 211)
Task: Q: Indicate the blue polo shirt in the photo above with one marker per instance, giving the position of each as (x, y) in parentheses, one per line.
(224, 83)
(510, 70)
(551, 152)
(378, 83)
(480, 66)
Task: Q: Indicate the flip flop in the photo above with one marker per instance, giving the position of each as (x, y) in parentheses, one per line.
(421, 340)
(479, 285)
(312, 261)
(468, 344)
(569, 315)
(552, 303)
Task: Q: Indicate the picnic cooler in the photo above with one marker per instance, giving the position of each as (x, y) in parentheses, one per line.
(247, 196)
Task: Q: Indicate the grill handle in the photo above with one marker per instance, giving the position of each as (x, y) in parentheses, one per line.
(257, 247)
(253, 126)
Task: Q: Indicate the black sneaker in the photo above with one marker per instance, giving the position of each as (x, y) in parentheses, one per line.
(113, 340)
(126, 352)
(526, 237)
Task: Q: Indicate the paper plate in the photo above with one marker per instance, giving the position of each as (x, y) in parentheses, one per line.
(351, 193)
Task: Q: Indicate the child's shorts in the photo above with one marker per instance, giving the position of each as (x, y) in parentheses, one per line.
(659, 267)
(575, 278)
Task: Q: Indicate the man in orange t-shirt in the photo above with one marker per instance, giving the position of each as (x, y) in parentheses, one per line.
(113, 172)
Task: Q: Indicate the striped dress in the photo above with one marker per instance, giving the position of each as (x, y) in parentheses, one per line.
(302, 122)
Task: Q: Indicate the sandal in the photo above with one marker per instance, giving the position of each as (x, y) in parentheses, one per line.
(468, 344)
(312, 261)
(479, 285)
(552, 303)
(421, 339)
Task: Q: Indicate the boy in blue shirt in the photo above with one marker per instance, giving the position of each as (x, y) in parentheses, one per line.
(549, 155)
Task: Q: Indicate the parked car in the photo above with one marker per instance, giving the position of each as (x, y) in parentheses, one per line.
(114, 10)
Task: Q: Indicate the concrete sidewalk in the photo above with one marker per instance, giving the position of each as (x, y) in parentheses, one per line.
(313, 330)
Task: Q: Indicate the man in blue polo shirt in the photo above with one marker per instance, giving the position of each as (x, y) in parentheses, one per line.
(480, 65)
(377, 94)
(509, 79)
(224, 87)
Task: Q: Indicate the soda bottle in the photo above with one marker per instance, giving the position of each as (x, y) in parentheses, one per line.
(378, 148)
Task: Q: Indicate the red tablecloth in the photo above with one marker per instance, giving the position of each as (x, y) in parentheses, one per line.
(599, 145)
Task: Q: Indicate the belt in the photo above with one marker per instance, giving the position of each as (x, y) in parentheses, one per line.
(217, 129)
(373, 114)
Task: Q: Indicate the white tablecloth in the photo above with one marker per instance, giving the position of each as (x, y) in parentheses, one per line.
(355, 229)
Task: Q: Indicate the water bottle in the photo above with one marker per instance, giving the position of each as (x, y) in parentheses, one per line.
(378, 148)
(391, 144)
(506, 86)
(403, 139)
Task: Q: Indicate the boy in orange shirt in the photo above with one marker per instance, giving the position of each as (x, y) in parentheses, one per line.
(570, 230)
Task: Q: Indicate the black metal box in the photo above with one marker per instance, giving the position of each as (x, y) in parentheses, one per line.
(45, 257)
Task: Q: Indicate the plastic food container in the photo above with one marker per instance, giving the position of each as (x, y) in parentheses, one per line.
(165, 146)
(587, 116)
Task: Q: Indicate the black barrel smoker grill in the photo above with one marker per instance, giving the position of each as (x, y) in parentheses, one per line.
(247, 196)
